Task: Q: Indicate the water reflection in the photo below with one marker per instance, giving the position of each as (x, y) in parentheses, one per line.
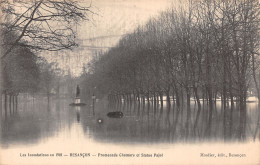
(35, 122)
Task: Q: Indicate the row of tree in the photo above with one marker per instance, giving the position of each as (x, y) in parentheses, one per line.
(28, 27)
(205, 49)
(26, 72)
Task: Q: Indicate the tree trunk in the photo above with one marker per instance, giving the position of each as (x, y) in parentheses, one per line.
(188, 98)
(10, 104)
(242, 110)
(195, 88)
(232, 107)
(138, 97)
(1, 74)
(16, 100)
(148, 100)
(154, 100)
(168, 98)
(13, 102)
(130, 98)
(224, 94)
(5, 102)
(178, 102)
(255, 81)
(161, 98)
(48, 97)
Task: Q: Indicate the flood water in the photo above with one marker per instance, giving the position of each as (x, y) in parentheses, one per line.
(178, 136)
(35, 122)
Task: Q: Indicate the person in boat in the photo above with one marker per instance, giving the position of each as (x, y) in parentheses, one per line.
(77, 99)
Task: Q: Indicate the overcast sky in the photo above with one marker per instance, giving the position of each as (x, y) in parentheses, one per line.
(113, 19)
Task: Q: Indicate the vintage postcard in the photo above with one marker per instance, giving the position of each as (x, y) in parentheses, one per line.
(130, 82)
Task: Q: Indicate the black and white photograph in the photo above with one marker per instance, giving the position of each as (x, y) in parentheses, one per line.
(130, 82)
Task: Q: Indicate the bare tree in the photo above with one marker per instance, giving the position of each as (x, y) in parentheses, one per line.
(42, 24)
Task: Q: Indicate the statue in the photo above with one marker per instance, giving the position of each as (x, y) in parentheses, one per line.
(77, 91)
(77, 99)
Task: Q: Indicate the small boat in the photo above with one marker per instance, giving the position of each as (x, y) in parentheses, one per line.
(77, 104)
(116, 114)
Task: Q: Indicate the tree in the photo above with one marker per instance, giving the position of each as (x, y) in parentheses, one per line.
(42, 24)
(204, 49)
(38, 25)
(47, 77)
(22, 63)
